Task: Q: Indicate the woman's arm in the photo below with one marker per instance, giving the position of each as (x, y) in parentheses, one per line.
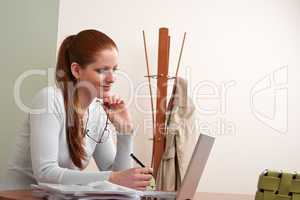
(121, 163)
(107, 158)
(45, 129)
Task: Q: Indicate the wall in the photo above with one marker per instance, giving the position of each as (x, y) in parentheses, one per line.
(241, 59)
(28, 42)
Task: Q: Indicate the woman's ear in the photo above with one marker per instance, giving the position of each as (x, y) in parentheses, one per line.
(75, 69)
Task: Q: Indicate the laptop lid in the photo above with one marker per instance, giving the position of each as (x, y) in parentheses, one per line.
(196, 167)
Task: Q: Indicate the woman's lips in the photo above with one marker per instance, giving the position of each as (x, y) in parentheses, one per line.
(106, 87)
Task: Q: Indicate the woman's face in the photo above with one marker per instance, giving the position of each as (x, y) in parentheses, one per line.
(101, 74)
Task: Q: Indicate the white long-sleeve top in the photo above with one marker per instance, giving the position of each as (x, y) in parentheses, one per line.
(41, 152)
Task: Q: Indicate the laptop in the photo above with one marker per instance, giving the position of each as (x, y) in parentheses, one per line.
(193, 174)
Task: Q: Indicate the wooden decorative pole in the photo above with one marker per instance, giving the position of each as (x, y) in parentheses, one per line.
(159, 123)
(161, 99)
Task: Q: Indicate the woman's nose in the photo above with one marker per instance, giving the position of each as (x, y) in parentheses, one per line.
(110, 76)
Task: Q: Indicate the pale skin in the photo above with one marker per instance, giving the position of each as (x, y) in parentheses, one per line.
(99, 77)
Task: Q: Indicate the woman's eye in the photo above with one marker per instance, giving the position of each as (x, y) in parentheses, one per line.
(101, 71)
(104, 70)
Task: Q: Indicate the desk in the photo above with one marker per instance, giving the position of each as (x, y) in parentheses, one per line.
(26, 195)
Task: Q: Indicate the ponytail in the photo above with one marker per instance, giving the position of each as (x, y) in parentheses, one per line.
(66, 81)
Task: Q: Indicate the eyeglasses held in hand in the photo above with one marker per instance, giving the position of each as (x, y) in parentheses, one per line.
(104, 133)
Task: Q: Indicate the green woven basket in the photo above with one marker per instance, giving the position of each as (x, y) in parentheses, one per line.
(278, 185)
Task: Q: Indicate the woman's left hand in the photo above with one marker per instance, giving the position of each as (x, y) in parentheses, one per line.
(118, 114)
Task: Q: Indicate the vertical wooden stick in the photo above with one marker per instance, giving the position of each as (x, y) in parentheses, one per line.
(171, 102)
(180, 55)
(149, 80)
(161, 100)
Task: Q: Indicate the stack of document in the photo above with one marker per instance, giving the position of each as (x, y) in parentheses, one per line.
(96, 190)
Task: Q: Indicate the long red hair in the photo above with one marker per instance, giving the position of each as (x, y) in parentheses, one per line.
(82, 49)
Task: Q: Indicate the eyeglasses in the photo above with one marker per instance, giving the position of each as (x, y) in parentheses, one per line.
(104, 133)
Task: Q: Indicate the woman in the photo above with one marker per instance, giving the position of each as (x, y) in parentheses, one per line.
(72, 122)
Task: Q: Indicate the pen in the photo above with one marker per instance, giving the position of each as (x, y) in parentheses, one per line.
(137, 160)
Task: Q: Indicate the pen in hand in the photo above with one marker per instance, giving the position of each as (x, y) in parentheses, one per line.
(152, 185)
(137, 160)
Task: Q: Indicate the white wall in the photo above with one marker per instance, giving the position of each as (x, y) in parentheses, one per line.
(252, 48)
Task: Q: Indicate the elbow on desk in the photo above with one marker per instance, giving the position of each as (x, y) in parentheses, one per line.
(48, 173)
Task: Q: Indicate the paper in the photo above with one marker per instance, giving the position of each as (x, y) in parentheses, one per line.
(96, 190)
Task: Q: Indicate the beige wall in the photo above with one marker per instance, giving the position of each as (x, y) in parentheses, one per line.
(28, 41)
(237, 50)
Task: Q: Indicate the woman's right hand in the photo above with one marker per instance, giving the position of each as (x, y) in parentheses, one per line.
(136, 178)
